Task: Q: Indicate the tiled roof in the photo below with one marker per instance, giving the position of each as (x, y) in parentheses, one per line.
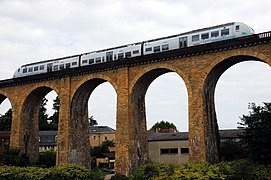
(224, 134)
(101, 129)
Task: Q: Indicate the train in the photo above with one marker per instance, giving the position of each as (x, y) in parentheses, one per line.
(179, 41)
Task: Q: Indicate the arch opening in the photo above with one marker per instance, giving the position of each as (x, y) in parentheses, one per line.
(212, 128)
(5, 120)
(81, 113)
(34, 114)
(138, 110)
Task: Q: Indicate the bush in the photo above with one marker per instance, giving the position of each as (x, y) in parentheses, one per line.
(239, 169)
(12, 157)
(63, 172)
(47, 158)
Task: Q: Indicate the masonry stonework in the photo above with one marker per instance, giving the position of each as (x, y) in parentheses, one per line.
(200, 74)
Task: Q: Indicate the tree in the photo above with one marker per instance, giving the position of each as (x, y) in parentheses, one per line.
(164, 125)
(92, 121)
(257, 132)
(5, 121)
(54, 118)
(103, 148)
(43, 116)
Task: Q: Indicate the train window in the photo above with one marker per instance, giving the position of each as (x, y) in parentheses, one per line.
(165, 47)
(195, 38)
(85, 61)
(41, 67)
(205, 36)
(61, 66)
(156, 49)
(25, 70)
(225, 32)
(98, 59)
(36, 68)
(120, 55)
(237, 28)
(149, 49)
(55, 67)
(135, 51)
(91, 61)
(68, 65)
(128, 54)
(115, 56)
(30, 69)
(103, 59)
(19, 70)
(74, 63)
(215, 34)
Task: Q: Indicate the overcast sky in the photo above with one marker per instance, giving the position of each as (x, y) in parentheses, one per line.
(32, 30)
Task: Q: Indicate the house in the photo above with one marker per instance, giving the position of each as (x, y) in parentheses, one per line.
(99, 134)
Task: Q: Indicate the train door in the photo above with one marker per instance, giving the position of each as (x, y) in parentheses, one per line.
(50, 67)
(183, 42)
(109, 56)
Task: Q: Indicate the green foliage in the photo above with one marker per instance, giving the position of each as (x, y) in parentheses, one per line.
(231, 150)
(163, 125)
(47, 158)
(240, 169)
(92, 121)
(63, 172)
(5, 121)
(257, 135)
(12, 157)
(103, 148)
(54, 118)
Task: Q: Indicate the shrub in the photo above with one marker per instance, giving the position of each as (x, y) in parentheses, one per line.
(47, 158)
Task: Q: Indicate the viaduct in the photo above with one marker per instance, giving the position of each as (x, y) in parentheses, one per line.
(200, 68)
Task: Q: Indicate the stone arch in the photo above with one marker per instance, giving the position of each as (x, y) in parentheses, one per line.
(139, 88)
(212, 134)
(79, 121)
(166, 66)
(29, 122)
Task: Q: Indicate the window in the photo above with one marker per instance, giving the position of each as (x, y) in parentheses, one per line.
(115, 56)
(61, 66)
(237, 28)
(195, 38)
(169, 151)
(215, 34)
(94, 137)
(68, 65)
(36, 68)
(30, 69)
(24, 70)
(165, 47)
(19, 70)
(55, 68)
(91, 61)
(205, 36)
(120, 55)
(128, 54)
(85, 61)
(105, 138)
(225, 32)
(184, 150)
(41, 67)
(156, 49)
(103, 59)
(149, 49)
(74, 63)
(98, 59)
(135, 51)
